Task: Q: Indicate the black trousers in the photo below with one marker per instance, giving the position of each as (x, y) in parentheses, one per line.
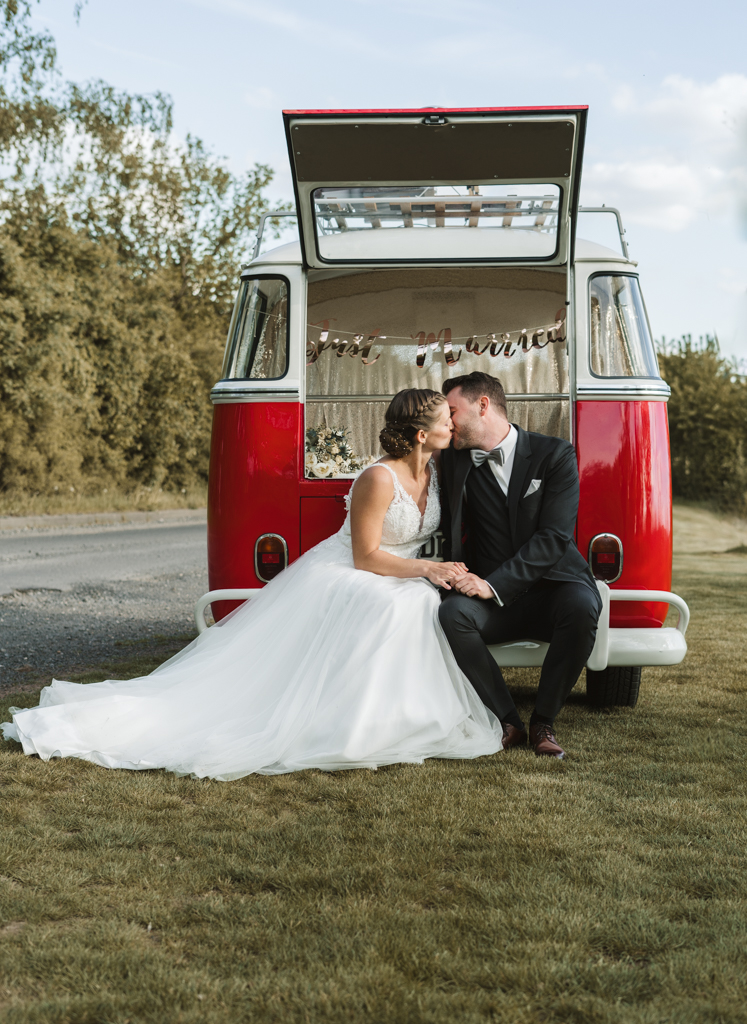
(562, 614)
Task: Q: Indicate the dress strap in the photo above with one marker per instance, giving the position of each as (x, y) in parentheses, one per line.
(398, 488)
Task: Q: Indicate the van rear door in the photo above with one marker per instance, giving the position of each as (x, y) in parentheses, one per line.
(436, 186)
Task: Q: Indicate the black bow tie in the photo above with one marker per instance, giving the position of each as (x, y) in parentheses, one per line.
(478, 456)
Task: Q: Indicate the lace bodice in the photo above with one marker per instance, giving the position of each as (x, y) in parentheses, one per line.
(404, 530)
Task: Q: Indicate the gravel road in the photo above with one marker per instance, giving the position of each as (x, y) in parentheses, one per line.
(77, 590)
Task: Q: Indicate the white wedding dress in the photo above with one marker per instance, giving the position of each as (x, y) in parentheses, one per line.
(327, 667)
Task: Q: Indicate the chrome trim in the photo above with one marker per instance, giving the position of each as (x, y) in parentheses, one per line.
(540, 397)
(660, 394)
(607, 259)
(220, 396)
(612, 536)
(349, 398)
(256, 545)
(224, 396)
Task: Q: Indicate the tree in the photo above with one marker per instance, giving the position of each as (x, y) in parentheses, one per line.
(707, 423)
(118, 257)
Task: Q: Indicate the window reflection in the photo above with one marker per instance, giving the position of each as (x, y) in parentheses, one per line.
(621, 343)
(258, 339)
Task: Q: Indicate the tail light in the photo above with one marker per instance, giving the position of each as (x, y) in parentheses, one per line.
(270, 556)
(606, 557)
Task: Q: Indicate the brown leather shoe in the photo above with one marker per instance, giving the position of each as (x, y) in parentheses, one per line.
(513, 737)
(543, 740)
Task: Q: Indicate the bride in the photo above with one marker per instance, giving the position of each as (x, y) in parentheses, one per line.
(340, 662)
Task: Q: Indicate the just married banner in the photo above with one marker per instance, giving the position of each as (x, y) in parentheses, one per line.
(358, 344)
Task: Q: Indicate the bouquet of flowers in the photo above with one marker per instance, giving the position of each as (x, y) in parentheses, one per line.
(329, 452)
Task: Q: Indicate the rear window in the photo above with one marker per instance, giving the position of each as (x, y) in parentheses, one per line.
(436, 222)
(257, 347)
(621, 344)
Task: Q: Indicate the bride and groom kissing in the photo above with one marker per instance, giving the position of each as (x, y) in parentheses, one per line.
(360, 654)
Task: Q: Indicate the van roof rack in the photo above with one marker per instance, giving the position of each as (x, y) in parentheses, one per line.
(334, 215)
(372, 209)
(616, 214)
(270, 215)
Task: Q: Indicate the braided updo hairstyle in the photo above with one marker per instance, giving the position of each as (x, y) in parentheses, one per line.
(409, 411)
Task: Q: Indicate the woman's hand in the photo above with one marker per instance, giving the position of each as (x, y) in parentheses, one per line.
(443, 574)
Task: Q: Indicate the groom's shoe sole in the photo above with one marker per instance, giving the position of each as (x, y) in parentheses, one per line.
(513, 737)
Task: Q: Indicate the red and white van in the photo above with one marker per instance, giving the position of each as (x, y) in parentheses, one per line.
(432, 243)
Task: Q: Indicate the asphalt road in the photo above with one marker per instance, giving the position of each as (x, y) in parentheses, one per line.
(74, 595)
(62, 561)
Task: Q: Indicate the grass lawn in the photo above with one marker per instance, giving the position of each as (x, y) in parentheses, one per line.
(110, 499)
(607, 888)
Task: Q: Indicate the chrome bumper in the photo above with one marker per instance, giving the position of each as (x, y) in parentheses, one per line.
(613, 647)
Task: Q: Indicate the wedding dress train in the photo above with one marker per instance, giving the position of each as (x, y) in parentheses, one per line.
(327, 667)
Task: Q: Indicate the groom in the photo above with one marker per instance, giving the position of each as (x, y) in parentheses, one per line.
(509, 501)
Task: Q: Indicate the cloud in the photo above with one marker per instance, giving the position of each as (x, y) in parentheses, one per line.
(732, 282)
(336, 37)
(710, 112)
(689, 159)
(664, 193)
(429, 9)
(259, 13)
(262, 98)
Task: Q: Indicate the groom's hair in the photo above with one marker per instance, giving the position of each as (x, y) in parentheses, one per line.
(476, 384)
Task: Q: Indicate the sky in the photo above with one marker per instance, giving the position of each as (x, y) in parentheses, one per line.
(666, 85)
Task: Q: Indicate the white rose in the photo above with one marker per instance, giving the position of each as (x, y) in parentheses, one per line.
(334, 449)
(323, 469)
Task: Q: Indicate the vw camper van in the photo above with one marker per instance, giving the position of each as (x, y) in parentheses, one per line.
(433, 243)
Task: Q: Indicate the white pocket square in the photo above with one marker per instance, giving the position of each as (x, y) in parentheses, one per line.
(534, 486)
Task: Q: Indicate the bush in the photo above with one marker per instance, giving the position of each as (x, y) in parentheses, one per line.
(119, 252)
(707, 423)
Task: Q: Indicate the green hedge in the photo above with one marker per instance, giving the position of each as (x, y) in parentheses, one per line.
(119, 252)
(707, 423)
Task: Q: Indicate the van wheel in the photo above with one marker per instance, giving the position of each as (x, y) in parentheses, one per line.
(614, 687)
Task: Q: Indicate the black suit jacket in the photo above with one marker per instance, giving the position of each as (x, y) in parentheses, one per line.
(541, 523)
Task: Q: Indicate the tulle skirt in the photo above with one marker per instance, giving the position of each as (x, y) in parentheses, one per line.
(328, 667)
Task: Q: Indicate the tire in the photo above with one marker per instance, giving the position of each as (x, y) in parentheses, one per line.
(614, 687)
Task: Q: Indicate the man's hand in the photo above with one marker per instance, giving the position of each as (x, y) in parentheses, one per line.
(443, 574)
(473, 586)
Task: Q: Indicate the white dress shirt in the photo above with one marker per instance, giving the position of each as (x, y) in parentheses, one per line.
(503, 473)
(508, 447)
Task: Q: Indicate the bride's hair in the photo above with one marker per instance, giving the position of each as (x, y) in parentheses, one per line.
(409, 411)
